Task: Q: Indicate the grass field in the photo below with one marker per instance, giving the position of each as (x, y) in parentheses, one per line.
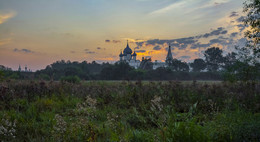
(129, 111)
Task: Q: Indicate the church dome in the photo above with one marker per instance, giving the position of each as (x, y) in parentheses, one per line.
(134, 54)
(121, 55)
(127, 50)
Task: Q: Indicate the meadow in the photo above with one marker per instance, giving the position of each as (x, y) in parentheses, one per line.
(129, 111)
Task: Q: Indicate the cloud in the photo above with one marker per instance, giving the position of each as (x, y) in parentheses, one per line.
(169, 8)
(87, 51)
(234, 34)
(173, 42)
(185, 57)
(6, 16)
(90, 52)
(99, 48)
(182, 43)
(112, 41)
(157, 48)
(138, 47)
(23, 50)
(140, 51)
(241, 19)
(234, 14)
(199, 45)
(219, 31)
(139, 44)
(220, 40)
(195, 43)
(213, 41)
(116, 41)
(190, 5)
(241, 27)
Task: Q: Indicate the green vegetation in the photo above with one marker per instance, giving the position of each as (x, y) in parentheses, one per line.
(75, 110)
(70, 79)
(129, 111)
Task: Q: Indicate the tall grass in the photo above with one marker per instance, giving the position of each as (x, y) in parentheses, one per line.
(129, 111)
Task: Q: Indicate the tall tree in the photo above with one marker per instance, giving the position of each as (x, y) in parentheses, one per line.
(198, 65)
(252, 8)
(230, 59)
(214, 58)
(178, 65)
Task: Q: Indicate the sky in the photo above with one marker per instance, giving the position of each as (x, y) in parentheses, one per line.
(36, 33)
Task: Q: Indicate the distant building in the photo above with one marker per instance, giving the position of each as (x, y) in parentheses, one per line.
(19, 68)
(128, 56)
(25, 69)
(169, 55)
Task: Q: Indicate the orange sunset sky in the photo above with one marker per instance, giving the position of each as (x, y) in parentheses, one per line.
(37, 33)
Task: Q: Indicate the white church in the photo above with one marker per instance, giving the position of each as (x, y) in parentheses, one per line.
(128, 56)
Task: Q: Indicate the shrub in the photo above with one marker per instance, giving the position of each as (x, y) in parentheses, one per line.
(70, 79)
(184, 132)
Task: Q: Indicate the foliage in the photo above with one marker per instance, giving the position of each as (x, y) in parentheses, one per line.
(61, 68)
(252, 8)
(1, 75)
(213, 58)
(177, 65)
(184, 131)
(230, 59)
(70, 79)
(198, 65)
(129, 111)
(119, 71)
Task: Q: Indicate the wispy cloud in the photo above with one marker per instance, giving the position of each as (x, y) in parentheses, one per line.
(87, 51)
(23, 50)
(5, 16)
(189, 6)
(170, 7)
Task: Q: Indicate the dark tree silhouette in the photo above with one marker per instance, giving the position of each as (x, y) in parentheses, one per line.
(214, 58)
(198, 65)
(252, 8)
(119, 71)
(178, 65)
(230, 59)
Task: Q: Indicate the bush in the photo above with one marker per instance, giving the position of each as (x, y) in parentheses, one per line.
(141, 136)
(238, 126)
(1, 75)
(184, 132)
(71, 79)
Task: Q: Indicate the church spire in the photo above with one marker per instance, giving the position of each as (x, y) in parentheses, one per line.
(127, 44)
(169, 55)
(19, 68)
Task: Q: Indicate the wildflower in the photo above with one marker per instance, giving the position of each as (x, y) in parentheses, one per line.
(61, 125)
(156, 103)
(7, 128)
(89, 103)
(111, 120)
(87, 108)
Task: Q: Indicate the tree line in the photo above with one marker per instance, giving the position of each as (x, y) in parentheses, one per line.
(214, 66)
